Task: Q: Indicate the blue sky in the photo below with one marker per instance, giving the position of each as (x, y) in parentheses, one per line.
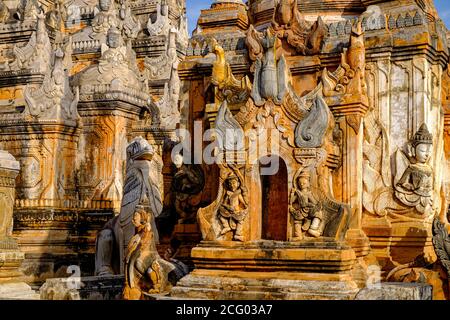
(443, 8)
(194, 7)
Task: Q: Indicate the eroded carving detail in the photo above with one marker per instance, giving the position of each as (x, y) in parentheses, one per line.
(142, 187)
(228, 87)
(234, 207)
(188, 181)
(288, 23)
(36, 54)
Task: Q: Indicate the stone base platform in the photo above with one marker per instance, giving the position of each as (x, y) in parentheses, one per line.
(89, 288)
(264, 270)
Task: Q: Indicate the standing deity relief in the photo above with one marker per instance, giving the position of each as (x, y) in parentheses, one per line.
(305, 208)
(224, 219)
(234, 207)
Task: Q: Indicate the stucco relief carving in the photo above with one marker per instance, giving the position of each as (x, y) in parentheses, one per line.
(271, 75)
(27, 10)
(413, 182)
(234, 207)
(54, 99)
(409, 193)
(305, 208)
(161, 24)
(187, 184)
(349, 78)
(108, 15)
(288, 23)
(228, 87)
(115, 70)
(225, 217)
(310, 132)
(160, 67)
(229, 133)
